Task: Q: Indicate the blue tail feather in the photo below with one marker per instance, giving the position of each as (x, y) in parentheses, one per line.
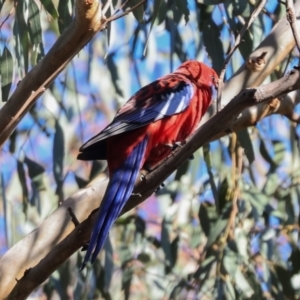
(117, 193)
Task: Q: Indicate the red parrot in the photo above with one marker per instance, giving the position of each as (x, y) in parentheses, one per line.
(145, 131)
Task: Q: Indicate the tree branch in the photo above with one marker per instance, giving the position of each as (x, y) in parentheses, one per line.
(88, 20)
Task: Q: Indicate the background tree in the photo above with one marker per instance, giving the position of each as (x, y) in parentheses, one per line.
(224, 226)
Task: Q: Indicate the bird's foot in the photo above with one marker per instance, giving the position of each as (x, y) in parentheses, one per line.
(191, 157)
(162, 185)
(137, 195)
(174, 145)
(84, 247)
(228, 130)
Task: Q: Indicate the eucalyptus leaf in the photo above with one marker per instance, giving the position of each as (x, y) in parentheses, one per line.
(22, 178)
(220, 225)
(58, 157)
(242, 283)
(245, 142)
(183, 7)
(213, 44)
(138, 12)
(35, 171)
(50, 7)
(207, 216)
(64, 14)
(6, 71)
(21, 35)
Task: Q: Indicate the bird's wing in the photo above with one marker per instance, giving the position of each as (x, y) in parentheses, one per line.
(162, 98)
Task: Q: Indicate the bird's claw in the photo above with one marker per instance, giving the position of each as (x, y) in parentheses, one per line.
(228, 130)
(162, 185)
(174, 146)
(191, 157)
(137, 195)
(84, 247)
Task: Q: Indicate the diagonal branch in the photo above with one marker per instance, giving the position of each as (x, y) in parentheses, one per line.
(214, 126)
(89, 19)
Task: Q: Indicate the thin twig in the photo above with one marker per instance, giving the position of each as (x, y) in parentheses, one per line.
(106, 7)
(121, 6)
(237, 42)
(9, 14)
(113, 18)
(237, 161)
(290, 15)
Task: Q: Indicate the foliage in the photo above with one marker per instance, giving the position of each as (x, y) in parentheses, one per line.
(225, 226)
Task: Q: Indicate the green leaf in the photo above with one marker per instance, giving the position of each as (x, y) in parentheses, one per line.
(258, 199)
(108, 264)
(245, 142)
(182, 170)
(6, 71)
(242, 283)
(207, 160)
(126, 281)
(203, 14)
(50, 8)
(160, 9)
(284, 280)
(34, 169)
(204, 267)
(224, 193)
(213, 44)
(81, 183)
(271, 184)
(144, 257)
(64, 14)
(241, 8)
(138, 12)
(279, 152)
(246, 46)
(98, 167)
(176, 40)
(219, 226)
(241, 239)
(182, 6)
(22, 178)
(35, 172)
(112, 67)
(157, 4)
(166, 244)
(229, 291)
(4, 199)
(207, 216)
(20, 31)
(231, 261)
(12, 141)
(265, 154)
(35, 32)
(58, 152)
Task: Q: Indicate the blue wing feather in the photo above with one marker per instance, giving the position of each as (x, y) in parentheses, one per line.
(117, 193)
(139, 111)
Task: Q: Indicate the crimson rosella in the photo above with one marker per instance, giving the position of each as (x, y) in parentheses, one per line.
(143, 132)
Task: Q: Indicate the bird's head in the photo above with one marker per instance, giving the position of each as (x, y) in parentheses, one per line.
(199, 73)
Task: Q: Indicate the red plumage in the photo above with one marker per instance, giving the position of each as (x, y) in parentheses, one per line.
(146, 128)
